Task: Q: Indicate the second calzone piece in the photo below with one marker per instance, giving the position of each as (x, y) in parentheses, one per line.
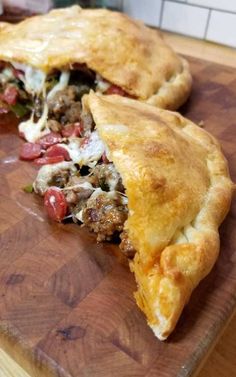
(48, 62)
(156, 180)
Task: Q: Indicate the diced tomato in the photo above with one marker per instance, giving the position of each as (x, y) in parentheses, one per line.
(55, 203)
(10, 95)
(30, 151)
(48, 160)
(50, 139)
(58, 150)
(104, 158)
(114, 89)
(75, 129)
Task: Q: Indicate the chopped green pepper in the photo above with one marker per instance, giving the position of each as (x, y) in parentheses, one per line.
(29, 189)
(19, 110)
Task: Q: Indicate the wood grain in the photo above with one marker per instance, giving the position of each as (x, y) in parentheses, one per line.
(199, 48)
(222, 361)
(67, 306)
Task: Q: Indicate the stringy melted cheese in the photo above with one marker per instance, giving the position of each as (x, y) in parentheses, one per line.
(35, 130)
(34, 80)
(6, 75)
(35, 83)
(46, 173)
(61, 85)
(87, 153)
(102, 85)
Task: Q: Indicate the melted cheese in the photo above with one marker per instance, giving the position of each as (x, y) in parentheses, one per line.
(112, 180)
(79, 215)
(97, 192)
(74, 149)
(87, 153)
(61, 85)
(34, 80)
(46, 173)
(102, 85)
(6, 75)
(34, 130)
(86, 185)
(20, 66)
(124, 200)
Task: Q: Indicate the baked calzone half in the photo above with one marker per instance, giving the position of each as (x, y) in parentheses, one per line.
(154, 181)
(49, 61)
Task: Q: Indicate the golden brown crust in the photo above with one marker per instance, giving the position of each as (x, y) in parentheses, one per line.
(123, 51)
(173, 93)
(179, 191)
(4, 25)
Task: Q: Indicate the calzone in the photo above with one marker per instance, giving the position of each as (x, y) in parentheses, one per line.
(48, 62)
(155, 182)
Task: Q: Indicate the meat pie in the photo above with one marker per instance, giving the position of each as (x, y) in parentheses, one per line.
(163, 193)
(48, 62)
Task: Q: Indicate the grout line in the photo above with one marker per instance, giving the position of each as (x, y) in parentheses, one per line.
(203, 6)
(161, 13)
(207, 24)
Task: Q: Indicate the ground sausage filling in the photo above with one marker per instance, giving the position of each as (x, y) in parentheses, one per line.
(89, 192)
(76, 179)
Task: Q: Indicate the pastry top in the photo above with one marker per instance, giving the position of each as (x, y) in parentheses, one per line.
(163, 161)
(179, 191)
(123, 51)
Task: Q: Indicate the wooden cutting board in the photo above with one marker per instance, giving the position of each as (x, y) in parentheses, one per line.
(66, 303)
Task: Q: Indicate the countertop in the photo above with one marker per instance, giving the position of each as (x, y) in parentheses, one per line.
(221, 361)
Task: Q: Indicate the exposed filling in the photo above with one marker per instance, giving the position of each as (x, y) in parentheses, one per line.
(53, 101)
(77, 180)
(87, 190)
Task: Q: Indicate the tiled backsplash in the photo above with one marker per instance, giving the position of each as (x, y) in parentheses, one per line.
(213, 20)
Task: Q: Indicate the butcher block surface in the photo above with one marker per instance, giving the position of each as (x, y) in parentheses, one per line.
(66, 302)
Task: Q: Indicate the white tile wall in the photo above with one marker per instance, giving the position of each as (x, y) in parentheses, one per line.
(149, 10)
(222, 28)
(214, 20)
(228, 5)
(184, 19)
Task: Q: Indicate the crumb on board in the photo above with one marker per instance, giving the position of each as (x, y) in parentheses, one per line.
(201, 124)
